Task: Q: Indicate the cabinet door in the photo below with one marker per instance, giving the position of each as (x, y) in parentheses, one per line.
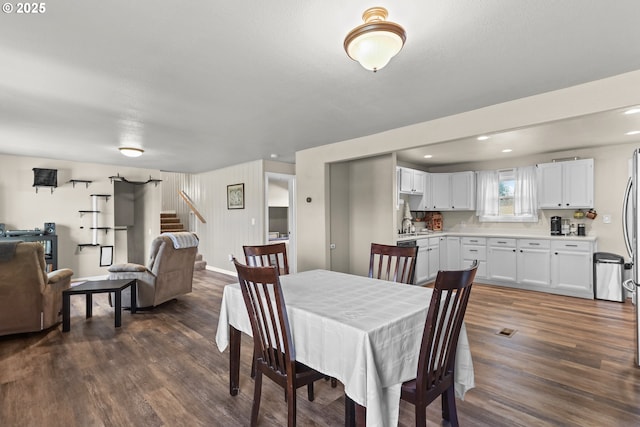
(577, 184)
(434, 257)
(406, 178)
(501, 263)
(481, 272)
(572, 271)
(441, 191)
(550, 185)
(422, 262)
(534, 266)
(463, 191)
(453, 259)
(418, 182)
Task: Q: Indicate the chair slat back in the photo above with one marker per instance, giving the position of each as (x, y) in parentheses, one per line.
(265, 305)
(268, 255)
(393, 263)
(442, 327)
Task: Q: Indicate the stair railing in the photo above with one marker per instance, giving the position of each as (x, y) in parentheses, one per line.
(191, 206)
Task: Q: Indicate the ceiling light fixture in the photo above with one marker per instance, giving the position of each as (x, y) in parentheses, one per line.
(483, 138)
(375, 42)
(507, 150)
(633, 132)
(428, 156)
(633, 110)
(131, 151)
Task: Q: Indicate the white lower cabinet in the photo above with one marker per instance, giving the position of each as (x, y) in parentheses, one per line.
(501, 259)
(571, 268)
(533, 262)
(422, 262)
(428, 260)
(434, 257)
(475, 249)
(453, 259)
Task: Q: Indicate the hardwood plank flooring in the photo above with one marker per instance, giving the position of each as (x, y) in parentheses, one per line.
(570, 363)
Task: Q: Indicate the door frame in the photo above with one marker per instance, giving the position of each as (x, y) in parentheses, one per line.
(291, 214)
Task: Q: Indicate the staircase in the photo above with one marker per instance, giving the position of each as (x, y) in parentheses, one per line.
(170, 223)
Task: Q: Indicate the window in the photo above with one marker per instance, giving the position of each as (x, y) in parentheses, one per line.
(507, 195)
(506, 192)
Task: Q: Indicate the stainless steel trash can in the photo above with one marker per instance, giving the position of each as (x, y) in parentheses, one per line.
(607, 276)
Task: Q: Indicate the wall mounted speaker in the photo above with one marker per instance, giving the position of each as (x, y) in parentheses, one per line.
(3, 231)
(49, 228)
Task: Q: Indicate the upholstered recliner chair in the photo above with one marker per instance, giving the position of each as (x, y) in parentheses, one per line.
(30, 298)
(168, 274)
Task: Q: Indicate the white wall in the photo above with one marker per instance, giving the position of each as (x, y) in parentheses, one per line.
(312, 164)
(21, 208)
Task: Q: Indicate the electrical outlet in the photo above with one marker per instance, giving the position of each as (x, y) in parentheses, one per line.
(606, 219)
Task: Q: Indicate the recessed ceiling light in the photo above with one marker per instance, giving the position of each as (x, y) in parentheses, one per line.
(131, 151)
(633, 110)
(507, 150)
(483, 138)
(633, 132)
(428, 156)
(273, 156)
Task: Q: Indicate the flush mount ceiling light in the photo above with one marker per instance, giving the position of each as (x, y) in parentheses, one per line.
(634, 110)
(633, 132)
(375, 42)
(483, 138)
(131, 151)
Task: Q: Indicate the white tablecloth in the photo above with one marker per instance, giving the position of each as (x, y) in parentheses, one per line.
(364, 332)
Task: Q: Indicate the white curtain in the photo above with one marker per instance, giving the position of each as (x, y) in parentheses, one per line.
(526, 196)
(487, 203)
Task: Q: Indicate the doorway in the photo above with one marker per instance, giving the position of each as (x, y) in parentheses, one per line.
(280, 213)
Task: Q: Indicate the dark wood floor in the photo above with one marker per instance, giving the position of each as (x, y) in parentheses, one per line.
(570, 363)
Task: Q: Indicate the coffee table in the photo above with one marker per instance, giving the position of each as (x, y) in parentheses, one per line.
(97, 287)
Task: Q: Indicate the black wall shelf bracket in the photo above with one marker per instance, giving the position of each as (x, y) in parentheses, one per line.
(80, 181)
(119, 178)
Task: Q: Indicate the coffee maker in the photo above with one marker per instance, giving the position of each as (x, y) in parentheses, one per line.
(556, 225)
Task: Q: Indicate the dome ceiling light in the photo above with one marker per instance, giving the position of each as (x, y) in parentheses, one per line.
(131, 151)
(375, 42)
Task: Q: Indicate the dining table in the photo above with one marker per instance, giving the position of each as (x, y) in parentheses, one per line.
(364, 332)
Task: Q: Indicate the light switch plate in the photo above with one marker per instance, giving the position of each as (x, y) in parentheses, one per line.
(606, 219)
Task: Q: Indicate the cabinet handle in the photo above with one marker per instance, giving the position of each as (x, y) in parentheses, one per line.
(521, 251)
(567, 204)
(534, 244)
(555, 253)
(502, 242)
(559, 204)
(514, 250)
(571, 246)
(473, 241)
(473, 250)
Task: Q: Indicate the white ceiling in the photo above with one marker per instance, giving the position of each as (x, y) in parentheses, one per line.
(206, 84)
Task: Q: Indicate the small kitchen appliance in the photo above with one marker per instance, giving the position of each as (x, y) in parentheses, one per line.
(556, 225)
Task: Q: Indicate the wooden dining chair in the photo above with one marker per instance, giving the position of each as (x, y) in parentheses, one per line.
(436, 360)
(393, 263)
(264, 255)
(267, 255)
(274, 352)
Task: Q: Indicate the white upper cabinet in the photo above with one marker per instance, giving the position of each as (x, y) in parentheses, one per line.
(566, 185)
(453, 191)
(411, 181)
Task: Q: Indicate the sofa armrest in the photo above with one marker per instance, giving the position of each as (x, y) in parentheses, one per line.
(128, 267)
(59, 275)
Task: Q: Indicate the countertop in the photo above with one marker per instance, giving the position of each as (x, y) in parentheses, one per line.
(489, 233)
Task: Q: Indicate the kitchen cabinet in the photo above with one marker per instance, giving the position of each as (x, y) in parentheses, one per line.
(453, 191)
(422, 203)
(411, 181)
(451, 256)
(571, 268)
(475, 248)
(501, 259)
(566, 185)
(428, 260)
(434, 257)
(533, 262)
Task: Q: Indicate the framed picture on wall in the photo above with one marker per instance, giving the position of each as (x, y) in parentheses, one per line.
(106, 256)
(235, 196)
